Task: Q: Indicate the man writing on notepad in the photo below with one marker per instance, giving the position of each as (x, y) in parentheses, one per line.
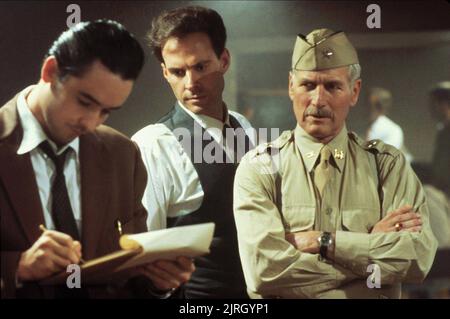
(60, 167)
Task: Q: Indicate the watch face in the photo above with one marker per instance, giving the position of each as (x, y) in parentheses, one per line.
(325, 239)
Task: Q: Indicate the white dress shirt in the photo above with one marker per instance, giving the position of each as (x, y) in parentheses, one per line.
(173, 186)
(43, 166)
(388, 131)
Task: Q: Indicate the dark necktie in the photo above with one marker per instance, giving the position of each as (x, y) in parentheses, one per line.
(61, 209)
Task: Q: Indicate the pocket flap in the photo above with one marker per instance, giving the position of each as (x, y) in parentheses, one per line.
(298, 218)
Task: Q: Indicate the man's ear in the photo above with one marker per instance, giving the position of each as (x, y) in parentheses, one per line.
(225, 60)
(165, 71)
(355, 92)
(291, 86)
(49, 70)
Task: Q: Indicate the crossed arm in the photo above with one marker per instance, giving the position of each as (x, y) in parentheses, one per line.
(283, 264)
(402, 219)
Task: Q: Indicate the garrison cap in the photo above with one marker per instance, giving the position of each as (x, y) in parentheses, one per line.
(323, 49)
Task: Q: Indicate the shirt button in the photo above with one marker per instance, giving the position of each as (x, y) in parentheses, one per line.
(329, 210)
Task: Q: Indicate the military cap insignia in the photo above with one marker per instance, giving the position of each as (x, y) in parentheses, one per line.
(327, 53)
(323, 49)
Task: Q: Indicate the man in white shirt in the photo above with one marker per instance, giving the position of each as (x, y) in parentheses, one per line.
(191, 165)
(382, 127)
(60, 167)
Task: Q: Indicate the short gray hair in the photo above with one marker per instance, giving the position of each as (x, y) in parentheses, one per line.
(354, 73)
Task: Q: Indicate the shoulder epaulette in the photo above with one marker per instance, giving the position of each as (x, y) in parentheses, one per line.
(278, 143)
(374, 145)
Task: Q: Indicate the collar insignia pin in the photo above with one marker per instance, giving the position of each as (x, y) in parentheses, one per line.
(338, 154)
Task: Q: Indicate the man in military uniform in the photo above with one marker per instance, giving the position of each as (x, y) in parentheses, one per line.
(319, 212)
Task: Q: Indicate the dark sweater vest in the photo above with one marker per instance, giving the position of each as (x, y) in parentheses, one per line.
(218, 274)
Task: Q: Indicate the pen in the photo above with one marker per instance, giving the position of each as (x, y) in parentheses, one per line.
(119, 227)
(43, 229)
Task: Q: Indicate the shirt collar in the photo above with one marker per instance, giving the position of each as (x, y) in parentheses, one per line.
(310, 148)
(339, 148)
(210, 124)
(380, 119)
(33, 134)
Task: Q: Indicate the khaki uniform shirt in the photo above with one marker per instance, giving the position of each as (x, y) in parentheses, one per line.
(274, 194)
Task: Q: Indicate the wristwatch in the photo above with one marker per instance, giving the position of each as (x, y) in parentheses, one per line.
(325, 240)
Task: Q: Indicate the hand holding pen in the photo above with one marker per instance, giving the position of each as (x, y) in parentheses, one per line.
(76, 245)
(51, 253)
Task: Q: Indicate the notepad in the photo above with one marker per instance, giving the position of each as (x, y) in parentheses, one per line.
(144, 248)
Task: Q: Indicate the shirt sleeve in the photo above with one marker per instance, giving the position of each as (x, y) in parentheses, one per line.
(402, 256)
(271, 265)
(173, 188)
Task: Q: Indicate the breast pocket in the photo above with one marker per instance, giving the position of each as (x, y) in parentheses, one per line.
(359, 220)
(298, 218)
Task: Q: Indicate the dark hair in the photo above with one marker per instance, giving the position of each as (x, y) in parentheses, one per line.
(104, 40)
(180, 22)
(441, 92)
